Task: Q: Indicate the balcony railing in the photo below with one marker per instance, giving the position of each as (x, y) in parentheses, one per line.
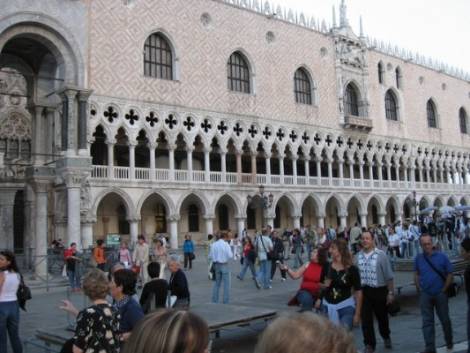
(141, 175)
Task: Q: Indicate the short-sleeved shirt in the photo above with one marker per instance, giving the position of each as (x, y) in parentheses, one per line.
(374, 268)
(342, 283)
(431, 282)
(97, 329)
(263, 245)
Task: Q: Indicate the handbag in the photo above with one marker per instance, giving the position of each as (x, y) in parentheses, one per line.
(192, 256)
(269, 254)
(23, 294)
(451, 291)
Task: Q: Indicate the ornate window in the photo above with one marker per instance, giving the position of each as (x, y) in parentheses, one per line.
(238, 73)
(463, 121)
(193, 218)
(391, 106)
(302, 87)
(431, 114)
(351, 104)
(380, 72)
(158, 57)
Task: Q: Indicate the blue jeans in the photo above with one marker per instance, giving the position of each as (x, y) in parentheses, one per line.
(298, 257)
(468, 325)
(403, 250)
(428, 303)
(247, 264)
(264, 274)
(9, 322)
(346, 316)
(74, 279)
(305, 299)
(222, 274)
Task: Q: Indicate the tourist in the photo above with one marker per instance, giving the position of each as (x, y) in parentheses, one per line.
(141, 259)
(312, 273)
(207, 247)
(97, 326)
(178, 284)
(155, 292)
(249, 259)
(355, 238)
(169, 331)
(98, 255)
(414, 234)
(188, 250)
(393, 243)
(124, 255)
(277, 255)
(377, 291)
(71, 264)
(263, 246)
(342, 297)
(404, 241)
(220, 254)
(122, 288)
(465, 244)
(235, 245)
(10, 279)
(310, 239)
(322, 240)
(433, 275)
(297, 248)
(160, 256)
(304, 333)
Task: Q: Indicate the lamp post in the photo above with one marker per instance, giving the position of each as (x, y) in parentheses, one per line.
(266, 200)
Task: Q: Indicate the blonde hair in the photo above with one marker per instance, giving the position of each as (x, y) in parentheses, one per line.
(169, 331)
(312, 333)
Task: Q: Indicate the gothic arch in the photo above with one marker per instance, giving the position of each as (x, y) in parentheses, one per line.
(130, 208)
(233, 200)
(175, 56)
(317, 203)
(197, 197)
(169, 206)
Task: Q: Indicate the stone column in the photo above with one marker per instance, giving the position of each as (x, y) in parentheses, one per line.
(82, 121)
(134, 230)
(371, 172)
(38, 141)
(40, 224)
(189, 159)
(380, 172)
(428, 175)
(413, 175)
(382, 218)
(223, 162)
(131, 161)
(389, 171)
(307, 169)
(110, 145)
(87, 233)
(343, 219)
(50, 135)
(405, 171)
(174, 232)
(268, 168)
(361, 172)
(321, 221)
(318, 162)
(363, 216)
(207, 164)
(240, 226)
(330, 171)
(69, 121)
(268, 221)
(7, 202)
(239, 166)
(397, 170)
(351, 169)
(152, 147)
(420, 172)
(73, 181)
(434, 174)
(441, 172)
(341, 171)
(253, 167)
(296, 220)
(294, 170)
(209, 224)
(281, 169)
(171, 160)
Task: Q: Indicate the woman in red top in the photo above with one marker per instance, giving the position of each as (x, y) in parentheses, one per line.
(312, 274)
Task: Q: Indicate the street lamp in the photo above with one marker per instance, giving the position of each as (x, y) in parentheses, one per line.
(266, 200)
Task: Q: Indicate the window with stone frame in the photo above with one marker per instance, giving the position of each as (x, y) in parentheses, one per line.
(391, 106)
(158, 57)
(380, 72)
(238, 73)
(193, 218)
(302, 87)
(351, 101)
(431, 114)
(463, 121)
(398, 77)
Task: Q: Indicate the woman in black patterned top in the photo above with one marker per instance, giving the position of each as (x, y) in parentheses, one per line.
(98, 325)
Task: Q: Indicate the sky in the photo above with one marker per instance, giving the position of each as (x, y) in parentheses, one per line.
(435, 28)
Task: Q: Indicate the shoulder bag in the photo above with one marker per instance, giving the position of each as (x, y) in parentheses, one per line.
(23, 294)
(451, 291)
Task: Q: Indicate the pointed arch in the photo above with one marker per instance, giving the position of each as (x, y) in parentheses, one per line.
(239, 73)
(128, 203)
(463, 121)
(431, 113)
(196, 197)
(233, 200)
(167, 201)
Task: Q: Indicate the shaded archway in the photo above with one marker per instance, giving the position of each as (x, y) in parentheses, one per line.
(255, 214)
(354, 210)
(392, 210)
(192, 210)
(154, 213)
(284, 212)
(225, 212)
(438, 202)
(373, 211)
(332, 212)
(112, 217)
(310, 211)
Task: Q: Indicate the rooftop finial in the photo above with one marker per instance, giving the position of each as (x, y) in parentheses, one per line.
(361, 28)
(343, 18)
(334, 16)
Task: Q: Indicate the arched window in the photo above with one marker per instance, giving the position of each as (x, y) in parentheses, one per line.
(302, 87)
(193, 218)
(238, 73)
(158, 57)
(223, 217)
(463, 121)
(351, 105)
(431, 114)
(99, 149)
(391, 107)
(398, 77)
(380, 72)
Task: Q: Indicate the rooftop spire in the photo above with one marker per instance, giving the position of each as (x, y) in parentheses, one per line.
(334, 16)
(361, 28)
(343, 17)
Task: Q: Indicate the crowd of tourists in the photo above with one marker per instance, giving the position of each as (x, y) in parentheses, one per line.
(346, 280)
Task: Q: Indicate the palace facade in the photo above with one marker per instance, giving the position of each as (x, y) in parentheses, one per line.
(153, 116)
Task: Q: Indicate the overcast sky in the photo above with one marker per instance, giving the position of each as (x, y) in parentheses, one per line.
(436, 28)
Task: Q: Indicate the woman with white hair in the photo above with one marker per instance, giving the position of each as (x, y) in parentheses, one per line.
(178, 284)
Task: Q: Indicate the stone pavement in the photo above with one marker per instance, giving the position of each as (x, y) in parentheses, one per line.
(43, 311)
